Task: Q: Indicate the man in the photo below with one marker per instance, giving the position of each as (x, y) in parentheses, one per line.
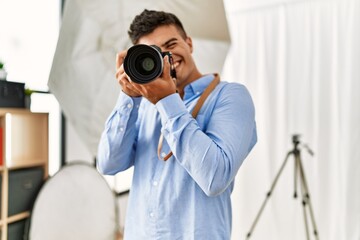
(187, 196)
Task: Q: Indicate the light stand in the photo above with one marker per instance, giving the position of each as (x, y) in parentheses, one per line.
(298, 173)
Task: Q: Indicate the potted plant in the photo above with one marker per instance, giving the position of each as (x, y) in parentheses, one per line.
(28, 93)
(3, 73)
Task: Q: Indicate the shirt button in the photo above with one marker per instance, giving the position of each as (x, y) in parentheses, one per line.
(152, 214)
(155, 183)
(129, 105)
(197, 92)
(121, 129)
(163, 154)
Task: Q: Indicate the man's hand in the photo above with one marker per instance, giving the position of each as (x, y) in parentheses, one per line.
(122, 78)
(158, 89)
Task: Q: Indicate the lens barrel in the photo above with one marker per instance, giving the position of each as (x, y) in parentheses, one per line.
(143, 63)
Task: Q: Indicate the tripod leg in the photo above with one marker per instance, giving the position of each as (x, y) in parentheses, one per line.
(304, 198)
(307, 198)
(268, 195)
(296, 167)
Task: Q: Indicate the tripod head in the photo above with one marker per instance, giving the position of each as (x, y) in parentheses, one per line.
(296, 142)
(295, 138)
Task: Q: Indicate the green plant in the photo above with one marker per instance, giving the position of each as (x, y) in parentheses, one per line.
(28, 91)
(1, 65)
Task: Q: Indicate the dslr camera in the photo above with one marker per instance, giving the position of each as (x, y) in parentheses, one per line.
(144, 63)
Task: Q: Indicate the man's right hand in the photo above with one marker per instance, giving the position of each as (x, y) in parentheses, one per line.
(122, 78)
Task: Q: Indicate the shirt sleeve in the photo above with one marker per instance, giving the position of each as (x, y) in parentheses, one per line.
(212, 157)
(118, 140)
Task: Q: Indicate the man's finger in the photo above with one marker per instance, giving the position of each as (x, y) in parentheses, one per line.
(167, 66)
(136, 86)
(120, 58)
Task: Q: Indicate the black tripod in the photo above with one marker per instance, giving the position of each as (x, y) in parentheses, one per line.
(298, 172)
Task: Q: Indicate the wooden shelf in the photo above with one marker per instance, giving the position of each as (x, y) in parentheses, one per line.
(29, 164)
(18, 217)
(24, 148)
(4, 111)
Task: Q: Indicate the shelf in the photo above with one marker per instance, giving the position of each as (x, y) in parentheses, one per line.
(18, 217)
(4, 111)
(25, 138)
(15, 218)
(24, 149)
(29, 164)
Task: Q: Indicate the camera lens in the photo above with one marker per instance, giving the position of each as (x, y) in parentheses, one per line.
(143, 63)
(148, 64)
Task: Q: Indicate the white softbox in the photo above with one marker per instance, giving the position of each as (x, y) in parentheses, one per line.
(82, 77)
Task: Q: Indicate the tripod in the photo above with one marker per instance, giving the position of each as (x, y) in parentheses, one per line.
(298, 173)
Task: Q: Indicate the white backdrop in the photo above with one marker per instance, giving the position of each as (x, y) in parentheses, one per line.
(301, 62)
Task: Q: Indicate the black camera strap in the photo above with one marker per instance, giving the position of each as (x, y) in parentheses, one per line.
(195, 111)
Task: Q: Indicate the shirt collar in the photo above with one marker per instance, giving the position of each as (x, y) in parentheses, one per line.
(198, 86)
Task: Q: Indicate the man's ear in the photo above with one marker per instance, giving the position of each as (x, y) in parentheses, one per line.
(188, 41)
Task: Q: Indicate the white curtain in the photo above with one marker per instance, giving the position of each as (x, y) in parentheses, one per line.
(301, 63)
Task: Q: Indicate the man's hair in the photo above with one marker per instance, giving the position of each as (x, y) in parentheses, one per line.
(149, 20)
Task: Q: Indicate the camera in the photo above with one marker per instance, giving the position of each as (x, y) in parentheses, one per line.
(144, 63)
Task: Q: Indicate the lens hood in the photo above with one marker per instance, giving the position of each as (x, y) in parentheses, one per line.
(143, 63)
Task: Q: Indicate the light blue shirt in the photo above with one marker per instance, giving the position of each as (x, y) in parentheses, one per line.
(188, 196)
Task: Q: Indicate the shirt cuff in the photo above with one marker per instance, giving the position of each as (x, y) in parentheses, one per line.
(170, 107)
(124, 101)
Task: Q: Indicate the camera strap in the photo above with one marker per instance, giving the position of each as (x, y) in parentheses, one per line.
(194, 113)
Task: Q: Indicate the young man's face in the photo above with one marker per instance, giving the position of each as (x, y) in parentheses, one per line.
(169, 39)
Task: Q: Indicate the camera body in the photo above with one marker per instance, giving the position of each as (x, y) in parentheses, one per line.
(144, 63)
